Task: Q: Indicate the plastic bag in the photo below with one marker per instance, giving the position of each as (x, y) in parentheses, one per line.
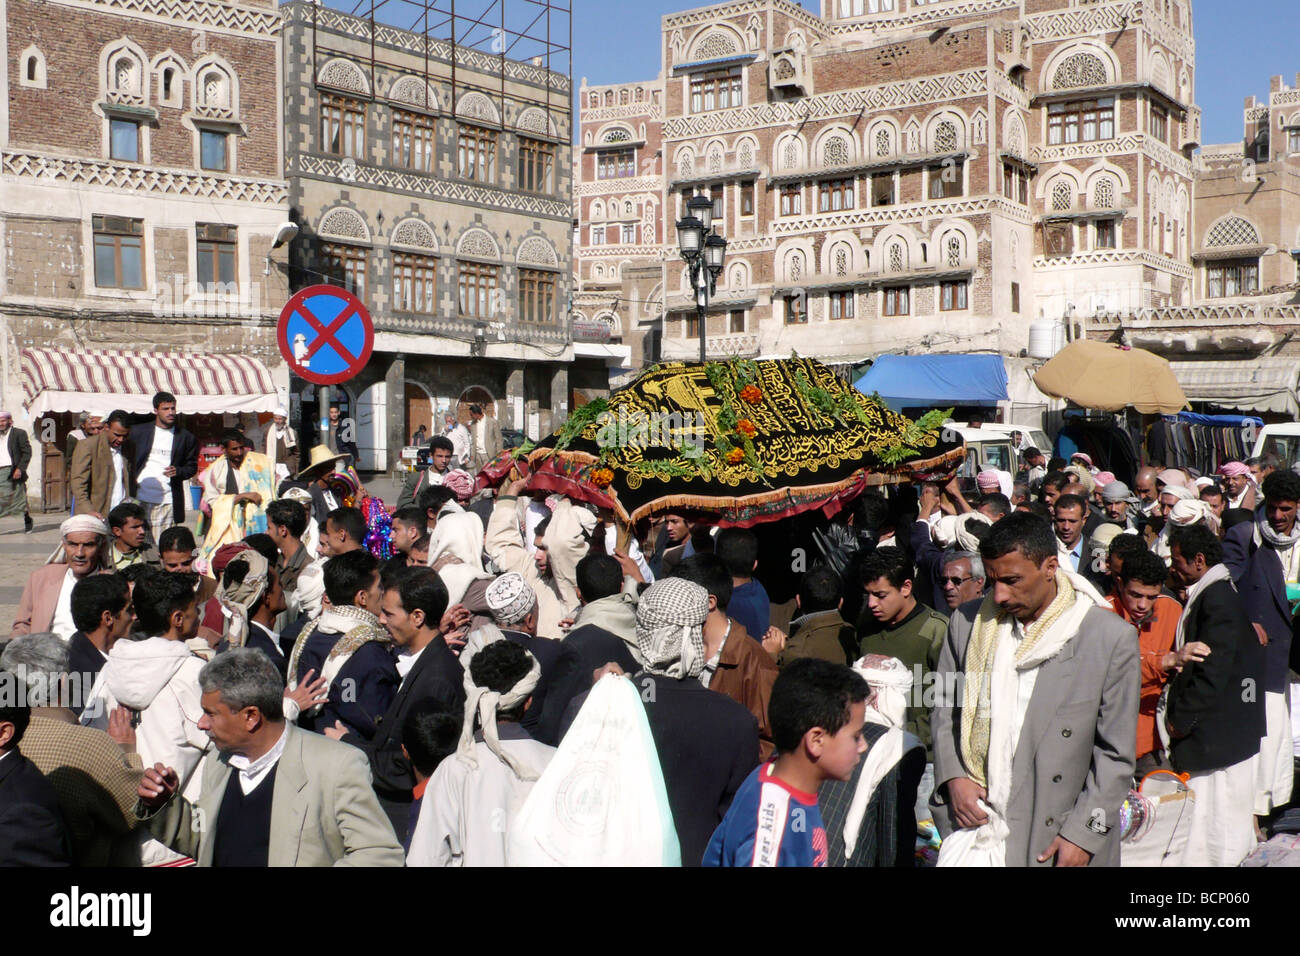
(601, 801)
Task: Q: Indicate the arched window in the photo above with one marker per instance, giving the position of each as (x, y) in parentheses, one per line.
(884, 141)
(835, 151)
(1062, 195)
(897, 257)
(945, 137)
(790, 154)
(952, 249)
(1103, 193)
(1079, 69)
(840, 261)
(1233, 231)
(794, 266)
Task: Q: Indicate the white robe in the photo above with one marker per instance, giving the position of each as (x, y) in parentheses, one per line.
(466, 811)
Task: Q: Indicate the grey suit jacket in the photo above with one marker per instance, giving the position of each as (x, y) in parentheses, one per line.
(1074, 762)
(323, 810)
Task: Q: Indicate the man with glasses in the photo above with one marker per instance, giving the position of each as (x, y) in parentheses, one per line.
(962, 578)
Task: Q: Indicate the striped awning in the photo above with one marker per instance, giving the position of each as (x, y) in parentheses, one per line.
(1250, 385)
(99, 381)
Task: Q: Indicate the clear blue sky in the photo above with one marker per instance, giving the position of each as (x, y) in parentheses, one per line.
(617, 41)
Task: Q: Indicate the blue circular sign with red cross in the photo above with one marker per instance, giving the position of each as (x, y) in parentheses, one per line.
(325, 334)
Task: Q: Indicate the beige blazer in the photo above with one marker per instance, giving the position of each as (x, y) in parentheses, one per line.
(323, 810)
(91, 474)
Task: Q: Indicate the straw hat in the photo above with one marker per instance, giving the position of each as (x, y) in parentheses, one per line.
(322, 463)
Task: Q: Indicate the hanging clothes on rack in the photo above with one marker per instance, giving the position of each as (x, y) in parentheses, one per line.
(1201, 442)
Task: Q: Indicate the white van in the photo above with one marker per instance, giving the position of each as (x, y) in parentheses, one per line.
(992, 446)
(1282, 440)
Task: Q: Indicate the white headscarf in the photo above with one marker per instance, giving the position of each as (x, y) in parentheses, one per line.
(460, 536)
(486, 704)
(238, 598)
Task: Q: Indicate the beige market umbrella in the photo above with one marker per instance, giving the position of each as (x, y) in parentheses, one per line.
(1108, 377)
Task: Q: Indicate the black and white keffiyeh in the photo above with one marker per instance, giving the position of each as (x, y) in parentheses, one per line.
(670, 628)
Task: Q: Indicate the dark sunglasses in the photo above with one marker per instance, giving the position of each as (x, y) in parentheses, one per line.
(957, 581)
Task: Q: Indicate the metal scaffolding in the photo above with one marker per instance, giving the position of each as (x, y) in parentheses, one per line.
(536, 31)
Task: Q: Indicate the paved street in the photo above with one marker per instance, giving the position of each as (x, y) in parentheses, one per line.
(20, 553)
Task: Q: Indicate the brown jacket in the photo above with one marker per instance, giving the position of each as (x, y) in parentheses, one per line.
(92, 474)
(746, 673)
(95, 780)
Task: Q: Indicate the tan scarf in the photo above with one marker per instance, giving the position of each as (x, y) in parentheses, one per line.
(976, 715)
(357, 627)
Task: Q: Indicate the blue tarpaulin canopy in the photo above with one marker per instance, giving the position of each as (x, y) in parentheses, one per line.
(1218, 421)
(936, 380)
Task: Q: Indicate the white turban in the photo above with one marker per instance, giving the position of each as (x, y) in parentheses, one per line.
(1191, 511)
(80, 524)
(890, 681)
(485, 704)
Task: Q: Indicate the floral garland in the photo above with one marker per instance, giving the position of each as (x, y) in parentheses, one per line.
(736, 431)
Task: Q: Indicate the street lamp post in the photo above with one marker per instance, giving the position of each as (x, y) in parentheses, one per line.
(703, 251)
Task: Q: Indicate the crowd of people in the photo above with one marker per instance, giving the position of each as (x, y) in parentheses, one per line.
(305, 675)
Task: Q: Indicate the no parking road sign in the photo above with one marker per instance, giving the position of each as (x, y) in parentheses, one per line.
(325, 334)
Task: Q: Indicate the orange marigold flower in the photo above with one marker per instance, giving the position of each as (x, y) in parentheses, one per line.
(746, 428)
(752, 394)
(602, 477)
(736, 456)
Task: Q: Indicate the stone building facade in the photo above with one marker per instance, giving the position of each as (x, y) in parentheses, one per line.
(1239, 346)
(618, 201)
(439, 191)
(141, 189)
(898, 176)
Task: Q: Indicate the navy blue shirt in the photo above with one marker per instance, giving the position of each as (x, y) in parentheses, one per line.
(750, 606)
(359, 693)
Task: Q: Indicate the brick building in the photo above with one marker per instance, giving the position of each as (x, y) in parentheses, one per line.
(438, 189)
(140, 193)
(618, 200)
(1236, 348)
(902, 176)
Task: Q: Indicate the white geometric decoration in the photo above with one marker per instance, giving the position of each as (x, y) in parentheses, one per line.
(617, 135)
(475, 105)
(1062, 195)
(953, 250)
(1103, 193)
(1080, 69)
(415, 234)
(685, 163)
(795, 270)
(896, 259)
(715, 160)
(535, 120)
(715, 45)
(344, 75)
(1015, 135)
(343, 224)
(415, 91)
(790, 154)
(478, 243)
(784, 68)
(945, 138)
(1233, 231)
(739, 277)
(884, 141)
(745, 154)
(536, 251)
(841, 262)
(835, 151)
